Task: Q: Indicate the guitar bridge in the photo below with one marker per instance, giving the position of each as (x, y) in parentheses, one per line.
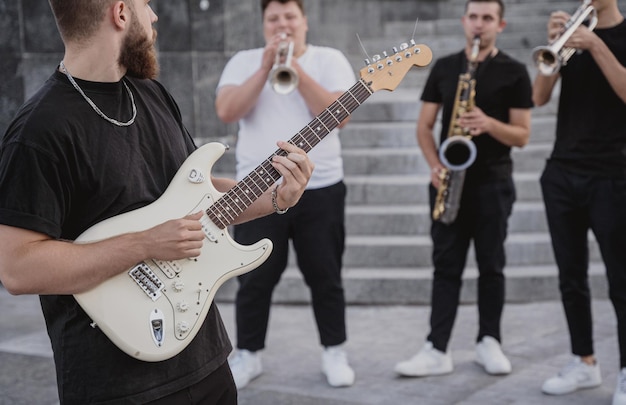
(147, 280)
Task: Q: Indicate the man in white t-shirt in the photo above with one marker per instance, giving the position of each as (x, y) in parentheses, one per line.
(315, 225)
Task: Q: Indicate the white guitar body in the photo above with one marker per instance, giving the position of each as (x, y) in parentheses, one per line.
(153, 310)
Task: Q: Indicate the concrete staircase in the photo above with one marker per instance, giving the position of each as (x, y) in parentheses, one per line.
(387, 259)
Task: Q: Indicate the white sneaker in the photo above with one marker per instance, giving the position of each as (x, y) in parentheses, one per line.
(245, 366)
(336, 368)
(490, 356)
(428, 361)
(619, 397)
(575, 375)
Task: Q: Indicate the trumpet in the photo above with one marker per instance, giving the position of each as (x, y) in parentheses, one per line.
(283, 78)
(550, 58)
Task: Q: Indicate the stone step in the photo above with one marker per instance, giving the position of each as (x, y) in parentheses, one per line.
(407, 160)
(516, 25)
(390, 251)
(358, 134)
(520, 48)
(403, 105)
(412, 189)
(410, 220)
(518, 34)
(412, 286)
(525, 8)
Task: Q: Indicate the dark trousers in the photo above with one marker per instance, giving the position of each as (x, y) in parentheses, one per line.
(316, 228)
(216, 389)
(483, 216)
(575, 204)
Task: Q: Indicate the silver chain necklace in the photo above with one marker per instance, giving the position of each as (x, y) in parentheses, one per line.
(95, 107)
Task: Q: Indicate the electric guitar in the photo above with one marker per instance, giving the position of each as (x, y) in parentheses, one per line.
(153, 310)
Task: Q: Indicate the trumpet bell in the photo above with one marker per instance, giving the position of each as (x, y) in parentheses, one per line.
(284, 79)
(549, 59)
(546, 60)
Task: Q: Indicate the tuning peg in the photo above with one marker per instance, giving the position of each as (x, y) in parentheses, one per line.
(398, 56)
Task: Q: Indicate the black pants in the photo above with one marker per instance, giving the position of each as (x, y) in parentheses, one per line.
(217, 389)
(483, 216)
(574, 205)
(316, 228)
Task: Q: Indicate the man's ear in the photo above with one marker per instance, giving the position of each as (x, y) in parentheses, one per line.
(502, 25)
(120, 14)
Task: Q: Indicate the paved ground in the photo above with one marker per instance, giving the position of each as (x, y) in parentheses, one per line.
(379, 336)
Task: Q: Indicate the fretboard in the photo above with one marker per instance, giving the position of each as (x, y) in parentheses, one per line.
(228, 207)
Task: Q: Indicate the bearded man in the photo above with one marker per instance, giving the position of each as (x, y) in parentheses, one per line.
(100, 138)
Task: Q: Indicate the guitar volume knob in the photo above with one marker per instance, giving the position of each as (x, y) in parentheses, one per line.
(178, 285)
(182, 306)
(182, 327)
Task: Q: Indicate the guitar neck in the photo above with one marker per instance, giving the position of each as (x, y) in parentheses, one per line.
(226, 209)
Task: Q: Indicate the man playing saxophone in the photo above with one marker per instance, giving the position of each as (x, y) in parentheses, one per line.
(584, 183)
(499, 120)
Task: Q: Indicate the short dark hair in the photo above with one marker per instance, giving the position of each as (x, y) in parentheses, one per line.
(79, 19)
(499, 2)
(265, 3)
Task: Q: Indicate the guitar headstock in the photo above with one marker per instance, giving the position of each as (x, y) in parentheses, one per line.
(387, 72)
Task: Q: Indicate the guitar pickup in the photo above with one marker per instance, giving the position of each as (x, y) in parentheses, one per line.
(147, 280)
(169, 268)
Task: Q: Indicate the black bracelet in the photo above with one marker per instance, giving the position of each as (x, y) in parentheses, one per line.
(275, 205)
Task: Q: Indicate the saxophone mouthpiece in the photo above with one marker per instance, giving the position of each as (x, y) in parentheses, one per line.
(475, 47)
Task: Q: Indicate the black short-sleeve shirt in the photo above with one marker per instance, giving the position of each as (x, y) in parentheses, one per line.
(63, 168)
(591, 126)
(502, 83)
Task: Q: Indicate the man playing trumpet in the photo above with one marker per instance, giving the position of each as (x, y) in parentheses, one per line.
(584, 184)
(249, 93)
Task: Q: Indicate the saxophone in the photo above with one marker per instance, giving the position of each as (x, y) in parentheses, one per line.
(457, 152)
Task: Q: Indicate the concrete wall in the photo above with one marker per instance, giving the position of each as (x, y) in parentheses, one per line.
(194, 44)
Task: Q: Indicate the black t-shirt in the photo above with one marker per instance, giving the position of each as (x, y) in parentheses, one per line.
(501, 84)
(591, 127)
(63, 169)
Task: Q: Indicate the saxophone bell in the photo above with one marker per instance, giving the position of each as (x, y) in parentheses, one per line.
(457, 152)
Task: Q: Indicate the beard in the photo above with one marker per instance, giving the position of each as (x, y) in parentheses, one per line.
(138, 54)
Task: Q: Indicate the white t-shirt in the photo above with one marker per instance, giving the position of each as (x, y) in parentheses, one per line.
(279, 117)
